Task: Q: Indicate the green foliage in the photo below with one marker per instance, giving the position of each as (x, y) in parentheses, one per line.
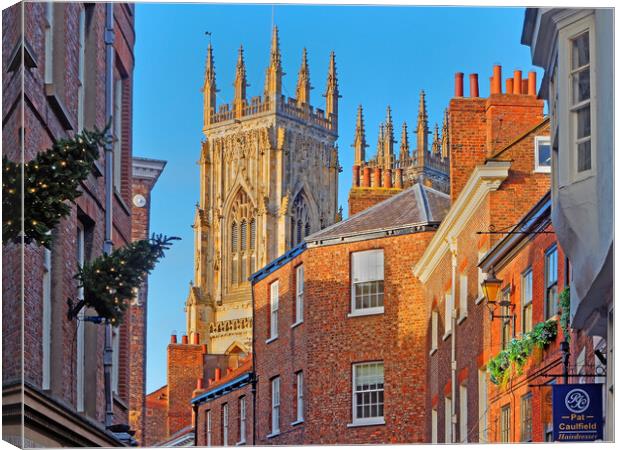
(111, 281)
(50, 179)
(514, 357)
(565, 317)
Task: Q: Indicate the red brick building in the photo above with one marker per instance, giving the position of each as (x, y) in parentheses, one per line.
(498, 171)
(339, 333)
(54, 66)
(533, 270)
(145, 173)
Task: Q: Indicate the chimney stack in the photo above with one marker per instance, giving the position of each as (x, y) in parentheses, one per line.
(377, 179)
(387, 178)
(196, 338)
(473, 85)
(517, 82)
(531, 83)
(173, 339)
(458, 84)
(509, 85)
(496, 81)
(366, 178)
(356, 176)
(184, 339)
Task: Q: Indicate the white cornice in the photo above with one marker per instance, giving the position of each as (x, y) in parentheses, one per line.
(484, 179)
(147, 168)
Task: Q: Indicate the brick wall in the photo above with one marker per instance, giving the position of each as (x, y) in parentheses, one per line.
(328, 342)
(50, 113)
(363, 198)
(156, 420)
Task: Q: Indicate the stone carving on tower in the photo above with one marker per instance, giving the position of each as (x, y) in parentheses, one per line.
(268, 178)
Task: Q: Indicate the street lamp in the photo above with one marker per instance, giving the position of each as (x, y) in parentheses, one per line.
(490, 288)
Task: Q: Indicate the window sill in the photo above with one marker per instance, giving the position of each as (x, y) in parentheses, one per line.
(461, 319)
(296, 324)
(446, 336)
(271, 339)
(369, 312)
(297, 422)
(542, 170)
(240, 443)
(367, 423)
(479, 300)
(432, 352)
(272, 435)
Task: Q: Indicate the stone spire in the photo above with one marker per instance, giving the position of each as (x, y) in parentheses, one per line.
(380, 145)
(422, 130)
(303, 81)
(273, 82)
(359, 143)
(436, 141)
(209, 88)
(404, 143)
(444, 136)
(388, 152)
(331, 92)
(240, 84)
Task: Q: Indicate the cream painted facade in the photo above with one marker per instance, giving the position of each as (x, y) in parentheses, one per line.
(268, 178)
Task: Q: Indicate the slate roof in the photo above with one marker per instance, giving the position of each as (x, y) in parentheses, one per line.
(417, 205)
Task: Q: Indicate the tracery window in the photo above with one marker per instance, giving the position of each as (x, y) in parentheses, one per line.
(242, 240)
(300, 220)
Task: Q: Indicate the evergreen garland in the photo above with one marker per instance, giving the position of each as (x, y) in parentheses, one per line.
(50, 179)
(111, 281)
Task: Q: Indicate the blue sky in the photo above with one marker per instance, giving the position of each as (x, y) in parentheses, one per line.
(384, 55)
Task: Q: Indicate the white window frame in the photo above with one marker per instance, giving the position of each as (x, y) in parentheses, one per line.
(209, 429)
(46, 338)
(567, 139)
(116, 343)
(118, 133)
(434, 331)
(448, 307)
(81, 64)
(462, 296)
(364, 421)
(380, 269)
(463, 425)
(527, 289)
(482, 405)
(299, 397)
(275, 406)
(538, 141)
(299, 295)
(434, 426)
(80, 345)
(549, 282)
(225, 425)
(242, 420)
(274, 305)
(481, 254)
(49, 43)
(447, 431)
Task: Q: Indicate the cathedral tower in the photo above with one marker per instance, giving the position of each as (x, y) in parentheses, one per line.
(268, 178)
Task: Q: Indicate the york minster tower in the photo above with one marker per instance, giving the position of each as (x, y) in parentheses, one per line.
(268, 178)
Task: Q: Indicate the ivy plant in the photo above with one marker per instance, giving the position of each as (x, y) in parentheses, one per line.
(513, 358)
(565, 317)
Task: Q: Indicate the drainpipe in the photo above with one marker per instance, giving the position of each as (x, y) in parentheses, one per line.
(107, 244)
(254, 377)
(196, 424)
(453, 340)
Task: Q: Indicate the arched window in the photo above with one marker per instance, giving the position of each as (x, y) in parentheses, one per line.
(242, 258)
(300, 222)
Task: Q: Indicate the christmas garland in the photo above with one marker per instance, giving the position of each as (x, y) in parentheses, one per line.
(50, 179)
(112, 280)
(514, 357)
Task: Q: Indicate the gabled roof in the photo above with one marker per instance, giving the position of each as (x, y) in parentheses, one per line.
(417, 205)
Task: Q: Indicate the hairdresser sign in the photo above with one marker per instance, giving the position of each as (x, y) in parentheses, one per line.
(577, 412)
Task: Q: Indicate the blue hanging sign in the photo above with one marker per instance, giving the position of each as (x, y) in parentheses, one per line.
(577, 412)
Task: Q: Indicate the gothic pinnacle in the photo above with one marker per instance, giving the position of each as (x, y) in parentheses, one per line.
(422, 107)
(436, 140)
(210, 66)
(404, 143)
(359, 142)
(303, 81)
(331, 91)
(275, 59)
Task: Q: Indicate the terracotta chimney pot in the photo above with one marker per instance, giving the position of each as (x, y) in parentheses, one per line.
(458, 84)
(473, 85)
(517, 82)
